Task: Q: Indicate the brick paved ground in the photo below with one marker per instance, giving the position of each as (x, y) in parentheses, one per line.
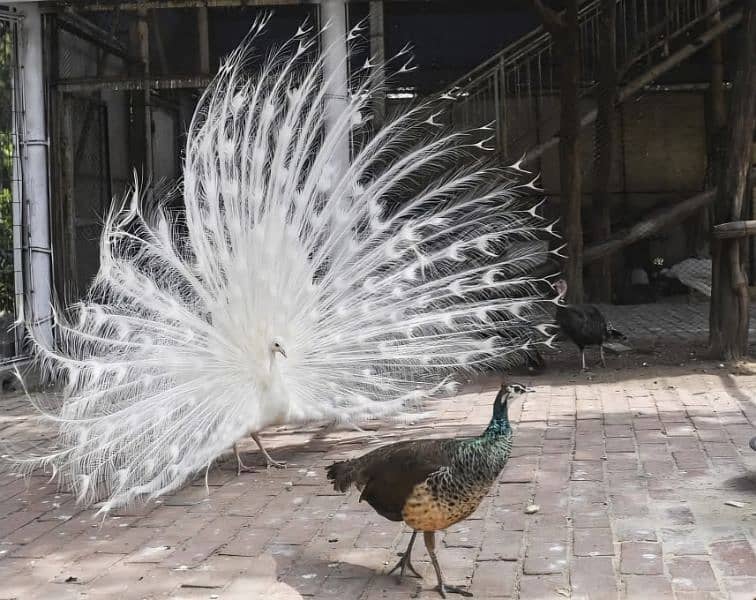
(631, 467)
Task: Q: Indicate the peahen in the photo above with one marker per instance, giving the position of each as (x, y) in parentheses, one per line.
(434, 483)
(583, 324)
(288, 289)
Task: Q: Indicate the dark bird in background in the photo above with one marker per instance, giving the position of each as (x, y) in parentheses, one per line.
(583, 324)
(432, 484)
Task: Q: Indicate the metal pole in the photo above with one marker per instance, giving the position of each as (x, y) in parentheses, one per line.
(378, 53)
(333, 12)
(31, 131)
(204, 40)
(143, 34)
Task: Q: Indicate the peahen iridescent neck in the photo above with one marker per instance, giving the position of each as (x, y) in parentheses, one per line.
(499, 424)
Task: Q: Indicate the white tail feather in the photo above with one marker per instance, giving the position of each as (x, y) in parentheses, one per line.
(379, 283)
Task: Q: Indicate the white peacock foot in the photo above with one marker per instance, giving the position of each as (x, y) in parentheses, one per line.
(275, 464)
(242, 468)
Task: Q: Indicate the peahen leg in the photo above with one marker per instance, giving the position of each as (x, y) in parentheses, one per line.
(601, 352)
(270, 462)
(405, 562)
(240, 466)
(442, 588)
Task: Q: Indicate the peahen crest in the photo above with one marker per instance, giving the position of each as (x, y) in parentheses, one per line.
(287, 290)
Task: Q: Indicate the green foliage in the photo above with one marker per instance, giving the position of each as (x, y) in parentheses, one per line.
(7, 291)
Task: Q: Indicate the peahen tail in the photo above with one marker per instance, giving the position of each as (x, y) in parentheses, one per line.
(614, 334)
(341, 474)
(290, 288)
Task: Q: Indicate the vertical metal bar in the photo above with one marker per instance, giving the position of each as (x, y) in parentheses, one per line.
(19, 283)
(33, 142)
(502, 113)
(497, 110)
(335, 64)
(203, 27)
(143, 33)
(378, 53)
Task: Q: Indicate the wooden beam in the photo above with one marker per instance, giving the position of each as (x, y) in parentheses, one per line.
(108, 5)
(649, 76)
(89, 84)
(734, 229)
(656, 221)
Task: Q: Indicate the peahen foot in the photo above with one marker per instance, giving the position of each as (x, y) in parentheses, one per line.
(405, 562)
(441, 588)
(444, 589)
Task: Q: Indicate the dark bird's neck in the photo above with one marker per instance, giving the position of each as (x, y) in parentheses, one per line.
(499, 424)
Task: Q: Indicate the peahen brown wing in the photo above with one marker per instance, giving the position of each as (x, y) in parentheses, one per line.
(389, 474)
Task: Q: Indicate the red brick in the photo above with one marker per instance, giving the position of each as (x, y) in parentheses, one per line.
(466, 534)
(31, 531)
(647, 587)
(595, 515)
(378, 535)
(344, 588)
(629, 504)
(544, 557)
(559, 433)
(712, 435)
(735, 558)
(692, 575)
(620, 444)
(494, 579)
(16, 521)
(249, 541)
(593, 542)
(678, 429)
(641, 558)
(587, 471)
(687, 460)
(593, 578)
(720, 450)
(618, 431)
(498, 544)
(646, 423)
(740, 588)
(87, 568)
(543, 587)
(650, 437)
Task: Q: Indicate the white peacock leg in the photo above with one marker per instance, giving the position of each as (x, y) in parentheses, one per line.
(582, 356)
(270, 462)
(240, 466)
(601, 351)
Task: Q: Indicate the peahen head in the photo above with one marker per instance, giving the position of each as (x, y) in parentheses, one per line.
(561, 288)
(500, 418)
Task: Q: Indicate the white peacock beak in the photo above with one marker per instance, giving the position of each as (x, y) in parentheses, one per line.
(283, 352)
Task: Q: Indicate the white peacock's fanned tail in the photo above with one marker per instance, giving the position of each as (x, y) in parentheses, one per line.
(382, 282)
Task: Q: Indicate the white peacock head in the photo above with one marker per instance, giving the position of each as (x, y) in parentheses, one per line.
(277, 346)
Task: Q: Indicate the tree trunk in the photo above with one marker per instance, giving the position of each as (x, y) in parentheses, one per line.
(569, 151)
(601, 218)
(716, 132)
(728, 318)
(566, 34)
